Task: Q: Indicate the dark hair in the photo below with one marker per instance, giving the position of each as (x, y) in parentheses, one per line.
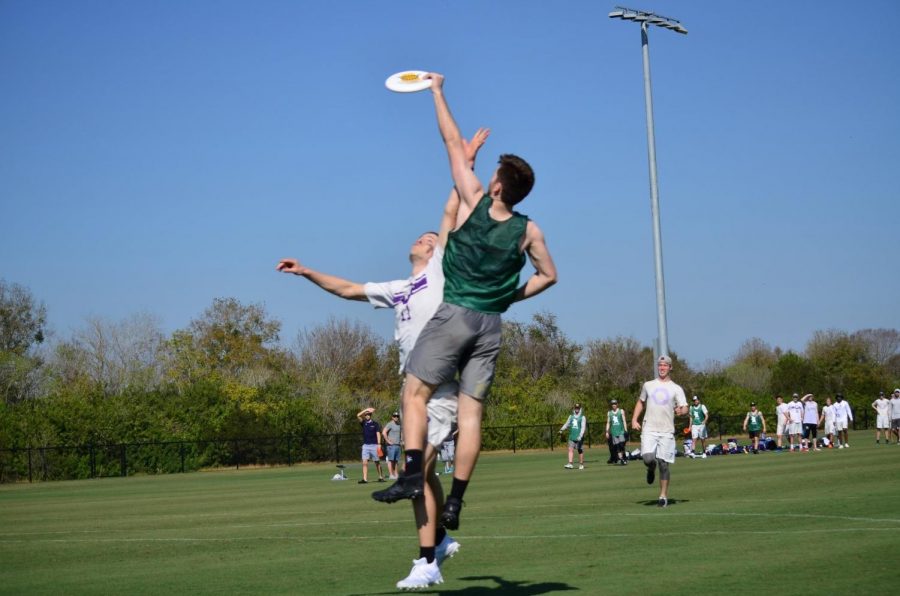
(516, 177)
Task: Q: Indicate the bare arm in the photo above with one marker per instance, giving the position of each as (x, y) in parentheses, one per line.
(746, 418)
(451, 209)
(763, 418)
(545, 270)
(681, 410)
(638, 410)
(468, 185)
(361, 413)
(330, 283)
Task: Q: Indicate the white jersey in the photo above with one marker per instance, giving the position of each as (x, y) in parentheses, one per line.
(660, 400)
(795, 411)
(411, 315)
(895, 407)
(882, 406)
(842, 411)
(781, 412)
(828, 411)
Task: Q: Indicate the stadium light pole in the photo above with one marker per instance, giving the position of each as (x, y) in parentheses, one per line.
(646, 19)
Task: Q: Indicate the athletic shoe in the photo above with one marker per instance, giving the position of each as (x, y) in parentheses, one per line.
(703, 456)
(568, 466)
(381, 480)
(450, 515)
(423, 574)
(363, 482)
(406, 487)
(446, 549)
(840, 446)
(663, 502)
(651, 473)
(580, 466)
(818, 449)
(847, 445)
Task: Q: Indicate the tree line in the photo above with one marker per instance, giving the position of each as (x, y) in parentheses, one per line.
(228, 374)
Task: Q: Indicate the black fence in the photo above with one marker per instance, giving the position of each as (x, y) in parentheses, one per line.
(124, 459)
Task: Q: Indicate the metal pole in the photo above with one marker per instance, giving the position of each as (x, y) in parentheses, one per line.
(662, 327)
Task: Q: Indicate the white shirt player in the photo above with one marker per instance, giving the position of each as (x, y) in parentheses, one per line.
(842, 411)
(781, 411)
(895, 406)
(795, 411)
(660, 399)
(882, 406)
(411, 315)
(828, 411)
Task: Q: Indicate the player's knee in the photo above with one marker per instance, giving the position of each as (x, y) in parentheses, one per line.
(649, 458)
(663, 470)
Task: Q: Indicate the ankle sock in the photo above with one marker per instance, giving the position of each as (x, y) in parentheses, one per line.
(459, 488)
(413, 461)
(427, 552)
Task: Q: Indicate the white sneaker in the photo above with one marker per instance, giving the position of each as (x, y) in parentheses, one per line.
(568, 466)
(580, 466)
(423, 574)
(446, 549)
(840, 446)
(847, 445)
(703, 456)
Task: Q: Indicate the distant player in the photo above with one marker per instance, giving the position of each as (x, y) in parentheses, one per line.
(576, 423)
(661, 399)
(615, 431)
(826, 419)
(895, 414)
(843, 416)
(754, 423)
(781, 419)
(882, 407)
(810, 422)
(699, 415)
(795, 420)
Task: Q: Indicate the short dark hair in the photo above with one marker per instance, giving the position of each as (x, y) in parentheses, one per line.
(516, 177)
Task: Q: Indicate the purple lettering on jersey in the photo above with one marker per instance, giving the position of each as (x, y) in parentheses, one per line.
(403, 298)
(661, 396)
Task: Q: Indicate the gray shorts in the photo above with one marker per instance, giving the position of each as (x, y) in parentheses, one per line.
(458, 339)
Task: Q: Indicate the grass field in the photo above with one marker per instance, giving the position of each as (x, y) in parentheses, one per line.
(791, 523)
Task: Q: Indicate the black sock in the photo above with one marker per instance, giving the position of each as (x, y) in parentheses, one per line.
(413, 462)
(441, 534)
(459, 488)
(427, 552)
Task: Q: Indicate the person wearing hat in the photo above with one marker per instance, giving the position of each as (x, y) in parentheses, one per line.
(810, 422)
(660, 400)
(795, 421)
(392, 433)
(577, 425)
(754, 423)
(699, 415)
(843, 416)
(615, 431)
(371, 432)
(895, 414)
(882, 407)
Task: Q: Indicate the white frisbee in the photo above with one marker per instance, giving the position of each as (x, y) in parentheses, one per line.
(408, 81)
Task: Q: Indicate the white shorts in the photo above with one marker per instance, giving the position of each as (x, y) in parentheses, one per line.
(442, 410)
(829, 427)
(780, 430)
(795, 428)
(840, 424)
(883, 422)
(698, 431)
(663, 444)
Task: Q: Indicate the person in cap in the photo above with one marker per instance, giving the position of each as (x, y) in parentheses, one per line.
(843, 416)
(414, 301)
(392, 434)
(371, 432)
(615, 431)
(699, 415)
(882, 407)
(810, 422)
(660, 400)
(895, 414)
(781, 419)
(795, 421)
(754, 424)
(576, 423)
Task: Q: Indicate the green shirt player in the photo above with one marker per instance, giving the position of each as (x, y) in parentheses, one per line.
(615, 431)
(755, 424)
(698, 415)
(485, 252)
(577, 425)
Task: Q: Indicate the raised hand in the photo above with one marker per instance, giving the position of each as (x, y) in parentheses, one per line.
(472, 146)
(291, 266)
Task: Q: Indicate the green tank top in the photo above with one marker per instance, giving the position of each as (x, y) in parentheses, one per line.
(482, 261)
(754, 422)
(616, 423)
(697, 414)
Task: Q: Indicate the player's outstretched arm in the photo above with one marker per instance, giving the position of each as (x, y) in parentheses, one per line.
(468, 185)
(545, 270)
(451, 208)
(635, 417)
(334, 285)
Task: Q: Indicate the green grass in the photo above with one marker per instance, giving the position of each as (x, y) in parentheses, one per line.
(824, 522)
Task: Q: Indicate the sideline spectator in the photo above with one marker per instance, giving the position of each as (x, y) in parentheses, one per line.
(795, 420)
(828, 418)
(699, 415)
(882, 407)
(371, 432)
(810, 422)
(843, 416)
(392, 434)
(448, 449)
(895, 414)
(615, 431)
(662, 399)
(577, 425)
(754, 423)
(781, 418)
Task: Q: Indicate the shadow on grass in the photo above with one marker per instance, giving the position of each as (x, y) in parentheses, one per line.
(504, 586)
(655, 502)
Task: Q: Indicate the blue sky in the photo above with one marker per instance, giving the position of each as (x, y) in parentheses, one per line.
(157, 155)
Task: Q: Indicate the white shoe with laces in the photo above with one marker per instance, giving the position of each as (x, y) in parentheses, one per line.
(423, 574)
(446, 549)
